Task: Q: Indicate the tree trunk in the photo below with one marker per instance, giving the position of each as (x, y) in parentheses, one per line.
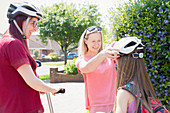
(65, 56)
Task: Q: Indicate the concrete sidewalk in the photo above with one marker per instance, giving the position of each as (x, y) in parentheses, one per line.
(73, 101)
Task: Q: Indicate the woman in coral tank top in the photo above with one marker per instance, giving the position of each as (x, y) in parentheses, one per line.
(98, 68)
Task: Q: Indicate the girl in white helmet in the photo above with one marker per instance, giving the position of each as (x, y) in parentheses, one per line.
(19, 92)
(132, 74)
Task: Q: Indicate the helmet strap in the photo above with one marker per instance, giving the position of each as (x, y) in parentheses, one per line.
(137, 55)
(26, 23)
(22, 33)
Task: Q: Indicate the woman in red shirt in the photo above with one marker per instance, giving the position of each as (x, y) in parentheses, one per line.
(19, 92)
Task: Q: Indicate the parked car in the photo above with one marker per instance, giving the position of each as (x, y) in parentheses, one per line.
(52, 55)
(47, 57)
(72, 55)
(43, 55)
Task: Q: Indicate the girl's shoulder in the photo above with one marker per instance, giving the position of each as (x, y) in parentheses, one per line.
(125, 94)
(131, 87)
(124, 97)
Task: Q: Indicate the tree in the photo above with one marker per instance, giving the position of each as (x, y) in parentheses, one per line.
(65, 23)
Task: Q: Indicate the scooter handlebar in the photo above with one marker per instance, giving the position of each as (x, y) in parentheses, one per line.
(62, 90)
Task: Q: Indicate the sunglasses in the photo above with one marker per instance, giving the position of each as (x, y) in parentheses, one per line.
(35, 24)
(92, 30)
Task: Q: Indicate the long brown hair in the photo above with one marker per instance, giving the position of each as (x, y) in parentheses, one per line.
(133, 69)
(16, 34)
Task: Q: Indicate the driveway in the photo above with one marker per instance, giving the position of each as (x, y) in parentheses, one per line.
(73, 101)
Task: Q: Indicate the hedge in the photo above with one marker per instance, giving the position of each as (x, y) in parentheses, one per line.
(149, 21)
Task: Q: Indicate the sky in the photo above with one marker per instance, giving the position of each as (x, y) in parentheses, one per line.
(103, 7)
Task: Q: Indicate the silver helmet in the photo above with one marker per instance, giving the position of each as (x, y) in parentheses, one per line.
(25, 9)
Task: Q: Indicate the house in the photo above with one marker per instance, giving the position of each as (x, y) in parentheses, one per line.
(37, 47)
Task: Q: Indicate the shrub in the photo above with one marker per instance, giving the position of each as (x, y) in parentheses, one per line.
(54, 58)
(149, 21)
(70, 67)
(36, 53)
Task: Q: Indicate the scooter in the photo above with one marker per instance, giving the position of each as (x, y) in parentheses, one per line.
(49, 99)
(62, 90)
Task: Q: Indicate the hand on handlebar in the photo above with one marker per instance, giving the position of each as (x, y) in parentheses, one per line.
(61, 90)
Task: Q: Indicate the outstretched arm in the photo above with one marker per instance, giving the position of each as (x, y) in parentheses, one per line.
(92, 64)
(28, 75)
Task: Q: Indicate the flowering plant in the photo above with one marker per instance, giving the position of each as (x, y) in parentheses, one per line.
(149, 21)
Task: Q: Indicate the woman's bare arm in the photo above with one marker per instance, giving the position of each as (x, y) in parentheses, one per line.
(92, 64)
(29, 77)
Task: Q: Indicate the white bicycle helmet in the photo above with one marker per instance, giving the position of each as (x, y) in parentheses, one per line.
(25, 9)
(127, 45)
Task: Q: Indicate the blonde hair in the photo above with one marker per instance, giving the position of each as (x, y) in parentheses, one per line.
(82, 48)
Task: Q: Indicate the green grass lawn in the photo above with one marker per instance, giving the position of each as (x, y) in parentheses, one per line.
(43, 77)
(55, 63)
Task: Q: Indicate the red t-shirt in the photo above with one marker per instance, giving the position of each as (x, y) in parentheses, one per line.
(15, 95)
